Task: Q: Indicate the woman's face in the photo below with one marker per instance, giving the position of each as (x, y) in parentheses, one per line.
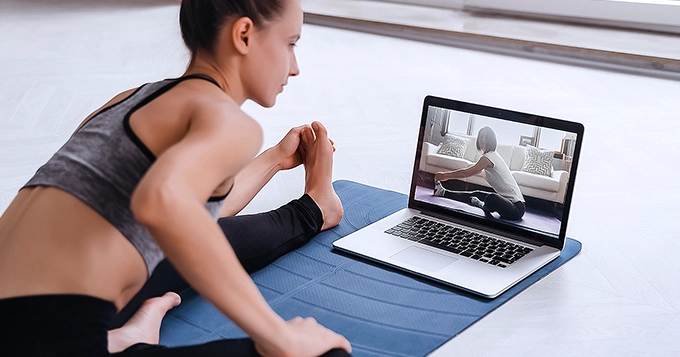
(482, 143)
(273, 57)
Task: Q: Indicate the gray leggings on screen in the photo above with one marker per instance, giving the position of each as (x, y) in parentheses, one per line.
(493, 202)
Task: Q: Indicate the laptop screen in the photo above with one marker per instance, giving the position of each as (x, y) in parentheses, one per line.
(505, 170)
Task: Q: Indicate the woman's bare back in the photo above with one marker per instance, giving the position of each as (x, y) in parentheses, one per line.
(53, 243)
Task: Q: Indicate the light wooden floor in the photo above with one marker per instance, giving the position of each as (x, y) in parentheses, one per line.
(59, 60)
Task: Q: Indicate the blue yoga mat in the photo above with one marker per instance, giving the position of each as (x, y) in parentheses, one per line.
(381, 311)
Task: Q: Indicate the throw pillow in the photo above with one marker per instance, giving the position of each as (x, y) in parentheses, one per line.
(537, 161)
(453, 146)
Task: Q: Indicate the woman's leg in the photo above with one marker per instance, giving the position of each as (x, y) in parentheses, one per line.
(242, 347)
(55, 325)
(505, 208)
(488, 202)
(460, 196)
(257, 240)
(260, 239)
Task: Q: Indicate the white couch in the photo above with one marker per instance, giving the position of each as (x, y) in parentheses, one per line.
(533, 185)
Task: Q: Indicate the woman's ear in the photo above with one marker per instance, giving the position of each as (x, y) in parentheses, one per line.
(240, 33)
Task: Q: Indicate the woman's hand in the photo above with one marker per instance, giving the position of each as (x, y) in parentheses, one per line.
(441, 176)
(287, 148)
(304, 337)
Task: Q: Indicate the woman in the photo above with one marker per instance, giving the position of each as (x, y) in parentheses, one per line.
(145, 177)
(508, 200)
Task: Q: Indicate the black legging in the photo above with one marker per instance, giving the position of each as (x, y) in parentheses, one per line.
(493, 202)
(75, 325)
(257, 240)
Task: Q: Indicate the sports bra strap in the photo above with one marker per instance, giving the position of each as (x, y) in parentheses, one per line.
(200, 76)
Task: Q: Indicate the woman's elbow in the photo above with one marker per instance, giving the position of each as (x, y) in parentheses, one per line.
(152, 207)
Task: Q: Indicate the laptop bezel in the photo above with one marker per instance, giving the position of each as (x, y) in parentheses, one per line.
(479, 222)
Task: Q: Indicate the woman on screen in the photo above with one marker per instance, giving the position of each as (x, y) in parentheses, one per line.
(507, 201)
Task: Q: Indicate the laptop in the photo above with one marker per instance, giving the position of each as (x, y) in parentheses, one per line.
(446, 235)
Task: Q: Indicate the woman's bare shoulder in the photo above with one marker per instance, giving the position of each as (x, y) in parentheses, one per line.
(215, 114)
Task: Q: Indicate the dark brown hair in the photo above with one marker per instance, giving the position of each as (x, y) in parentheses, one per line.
(490, 136)
(201, 20)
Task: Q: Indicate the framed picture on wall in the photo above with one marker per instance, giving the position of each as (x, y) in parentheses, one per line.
(526, 140)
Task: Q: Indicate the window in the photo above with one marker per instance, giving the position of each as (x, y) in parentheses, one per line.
(551, 139)
(507, 133)
(459, 123)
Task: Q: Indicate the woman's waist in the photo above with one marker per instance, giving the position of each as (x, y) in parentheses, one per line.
(51, 243)
(111, 277)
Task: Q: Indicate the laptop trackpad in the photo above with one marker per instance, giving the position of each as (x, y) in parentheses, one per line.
(423, 258)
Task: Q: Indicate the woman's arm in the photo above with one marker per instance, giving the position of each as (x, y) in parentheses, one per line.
(250, 180)
(483, 163)
(169, 202)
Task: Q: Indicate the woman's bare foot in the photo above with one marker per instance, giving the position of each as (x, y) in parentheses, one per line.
(145, 324)
(317, 156)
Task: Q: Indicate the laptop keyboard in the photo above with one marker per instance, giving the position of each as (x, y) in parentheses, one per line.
(460, 241)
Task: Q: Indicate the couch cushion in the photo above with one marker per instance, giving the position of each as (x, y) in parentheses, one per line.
(537, 161)
(453, 146)
(517, 158)
(525, 179)
(472, 154)
(447, 162)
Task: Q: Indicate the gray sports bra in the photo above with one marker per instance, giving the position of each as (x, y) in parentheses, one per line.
(102, 163)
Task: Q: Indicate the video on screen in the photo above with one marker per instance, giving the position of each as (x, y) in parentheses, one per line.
(511, 172)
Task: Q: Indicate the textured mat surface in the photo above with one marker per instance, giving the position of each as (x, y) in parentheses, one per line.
(381, 311)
